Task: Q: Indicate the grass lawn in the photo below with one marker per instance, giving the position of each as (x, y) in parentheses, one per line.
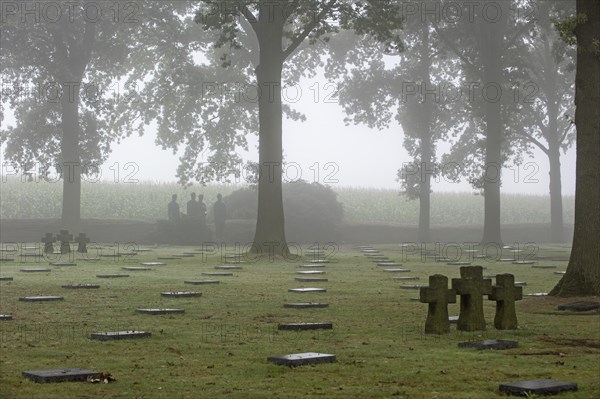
(218, 348)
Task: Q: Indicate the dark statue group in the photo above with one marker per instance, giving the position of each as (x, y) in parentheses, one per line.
(196, 212)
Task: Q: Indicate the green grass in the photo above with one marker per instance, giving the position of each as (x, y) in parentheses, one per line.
(147, 201)
(218, 348)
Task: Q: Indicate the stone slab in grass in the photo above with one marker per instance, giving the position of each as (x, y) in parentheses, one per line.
(7, 259)
(235, 261)
(311, 266)
(307, 289)
(537, 294)
(160, 311)
(168, 257)
(453, 319)
(27, 256)
(311, 279)
(36, 270)
(304, 326)
(443, 260)
(186, 255)
(217, 274)
(523, 262)
(543, 267)
(520, 283)
(396, 270)
(181, 294)
(59, 375)
(63, 264)
(389, 264)
(81, 286)
(110, 255)
(537, 387)
(305, 305)
(506, 260)
(480, 256)
(112, 275)
(580, 306)
(561, 273)
(228, 267)
(43, 298)
(116, 335)
(318, 261)
(153, 264)
(497, 344)
(411, 287)
(6, 317)
(201, 282)
(458, 263)
(302, 359)
(136, 268)
(369, 251)
(311, 272)
(407, 278)
(6, 278)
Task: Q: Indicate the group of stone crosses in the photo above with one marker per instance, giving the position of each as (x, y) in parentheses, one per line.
(471, 287)
(65, 240)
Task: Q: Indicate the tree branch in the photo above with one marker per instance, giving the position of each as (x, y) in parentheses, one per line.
(455, 50)
(566, 132)
(517, 35)
(309, 28)
(535, 141)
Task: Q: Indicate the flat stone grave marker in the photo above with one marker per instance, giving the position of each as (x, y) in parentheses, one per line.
(480, 256)
(112, 275)
(310, 266)
(458, 263)
(228, 267)
(153, 264)
(304, 326)
(411, 287)
(36, 270)
(26, 256)
(217, 274)
(506, 260)
(115, 335)
(7, 259)
(560, 273)
(396, 270)
(189, 253)
(144, 250)
(181, 294)
(489, 344)
(6, 278)
(389, 264)
(319, 261)
(311, 272)
(129, 253)
(59, 375)
(370, 251)
(201, 282)
(235, 261)
(5, 317)
(543, 267)
(538, 294)
(234, 256)
(442, 260)
(63, 264)
(520, 283)
(186, 255)
(161, 311)
(523, 262)
(408, 278)
(580, 306)
(81, 286)
(116, 255)
(47, 298)
(453, 319)
(301, 359)
(136, 268)
(307, 289)
(305, 305)
(537, 387)
(311, 279)
(167, 257)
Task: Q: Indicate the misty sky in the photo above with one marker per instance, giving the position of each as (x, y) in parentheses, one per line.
(352, 155)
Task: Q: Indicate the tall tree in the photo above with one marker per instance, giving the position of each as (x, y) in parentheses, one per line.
(280, 29)
(59, 61)
(583, 272)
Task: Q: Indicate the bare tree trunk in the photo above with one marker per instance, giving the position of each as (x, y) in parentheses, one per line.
(70, 164)
(583, 273)
(426, 147)
(269, 237)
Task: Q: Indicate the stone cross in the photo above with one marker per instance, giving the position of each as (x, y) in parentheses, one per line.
(471, 287)
(505, 294)
(65, 241)
(82, 240)
(438, 296)
(48, 241)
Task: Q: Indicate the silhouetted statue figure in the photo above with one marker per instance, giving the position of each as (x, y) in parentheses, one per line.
(220, 214)
(201, 209)
(173, 209)
(193, 208)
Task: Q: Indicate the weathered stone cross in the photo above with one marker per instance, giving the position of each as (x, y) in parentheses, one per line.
(82, 240)
(505, 294)
(471, 287)
(48, 241)
(438, 296)
(65, 241)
